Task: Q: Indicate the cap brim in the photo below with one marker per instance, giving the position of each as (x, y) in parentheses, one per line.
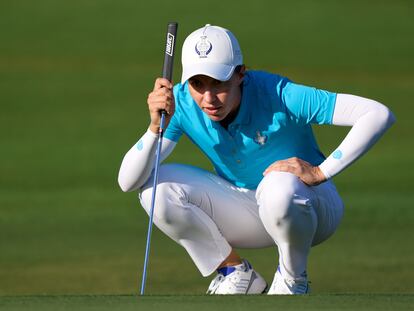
(216, 71)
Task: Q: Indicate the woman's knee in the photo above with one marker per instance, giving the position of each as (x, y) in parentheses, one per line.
(276, 194)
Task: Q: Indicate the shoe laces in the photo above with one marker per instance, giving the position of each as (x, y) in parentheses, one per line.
(298, 285)
(232, 277)
(215, 283)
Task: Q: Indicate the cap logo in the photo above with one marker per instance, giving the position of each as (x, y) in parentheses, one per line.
(203, 47)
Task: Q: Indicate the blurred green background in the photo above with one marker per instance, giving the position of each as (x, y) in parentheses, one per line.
(74, 78)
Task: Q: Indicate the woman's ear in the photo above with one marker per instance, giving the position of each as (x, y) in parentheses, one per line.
(241, 73)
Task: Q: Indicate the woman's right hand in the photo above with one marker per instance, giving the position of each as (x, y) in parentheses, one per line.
(161, 98)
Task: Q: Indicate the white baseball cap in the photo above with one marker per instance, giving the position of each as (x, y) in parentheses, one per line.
(212, 51)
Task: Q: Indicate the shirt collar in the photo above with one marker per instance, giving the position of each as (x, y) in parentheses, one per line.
(243, 117)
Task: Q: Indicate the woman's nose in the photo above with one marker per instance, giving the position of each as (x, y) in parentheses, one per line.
(209, 96)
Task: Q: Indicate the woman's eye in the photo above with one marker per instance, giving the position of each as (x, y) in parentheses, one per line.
(195, 83)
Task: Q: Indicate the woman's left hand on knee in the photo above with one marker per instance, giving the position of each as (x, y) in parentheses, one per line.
(309, 174)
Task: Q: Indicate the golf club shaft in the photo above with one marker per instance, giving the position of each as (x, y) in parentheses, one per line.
(166, 73)
(151, 216)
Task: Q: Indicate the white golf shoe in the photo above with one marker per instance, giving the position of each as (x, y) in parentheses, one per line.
(237, 280)
(285, 286)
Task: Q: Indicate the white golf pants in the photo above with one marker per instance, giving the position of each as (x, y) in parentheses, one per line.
(209, 216)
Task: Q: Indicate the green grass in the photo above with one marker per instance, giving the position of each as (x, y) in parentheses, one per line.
(74, 77)
(126, 302)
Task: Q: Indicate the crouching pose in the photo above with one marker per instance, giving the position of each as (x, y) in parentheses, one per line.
(272, 185)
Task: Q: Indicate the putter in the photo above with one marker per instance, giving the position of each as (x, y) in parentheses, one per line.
(166, 73)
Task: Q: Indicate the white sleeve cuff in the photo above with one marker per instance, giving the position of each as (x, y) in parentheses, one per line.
(150, 134)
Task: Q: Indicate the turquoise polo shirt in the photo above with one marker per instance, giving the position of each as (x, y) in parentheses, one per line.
(273, 123)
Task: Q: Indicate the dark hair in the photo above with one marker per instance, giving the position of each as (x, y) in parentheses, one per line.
(238, 68)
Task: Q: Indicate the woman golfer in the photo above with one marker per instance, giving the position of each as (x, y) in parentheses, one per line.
(272, 184)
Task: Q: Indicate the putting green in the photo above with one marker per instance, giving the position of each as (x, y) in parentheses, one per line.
(183, 303)
(74, 78)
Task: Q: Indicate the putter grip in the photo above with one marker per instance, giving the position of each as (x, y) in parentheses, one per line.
(167, 68)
